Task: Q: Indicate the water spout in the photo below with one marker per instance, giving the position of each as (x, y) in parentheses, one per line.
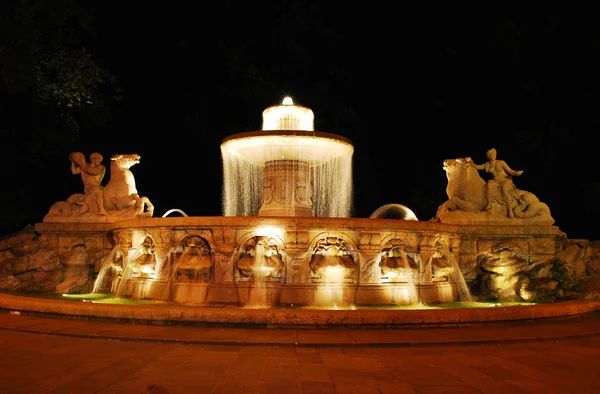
(444, 264)
(111, 270)
(260, 271)
(174, 210)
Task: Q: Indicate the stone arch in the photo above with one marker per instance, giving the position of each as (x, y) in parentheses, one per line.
(192, 259)
(332, 249)
(270, 261)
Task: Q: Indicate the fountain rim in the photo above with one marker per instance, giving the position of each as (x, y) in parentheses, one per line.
(297, 106)
(309, 318)
(288, 133)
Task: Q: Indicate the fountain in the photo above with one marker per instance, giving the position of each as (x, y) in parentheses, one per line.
(287, 169)
(286, 238)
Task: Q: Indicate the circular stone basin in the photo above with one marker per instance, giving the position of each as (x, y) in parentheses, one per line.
(259, 147)
(298, 318)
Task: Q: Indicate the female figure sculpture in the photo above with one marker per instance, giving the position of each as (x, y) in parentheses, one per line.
(501, 182)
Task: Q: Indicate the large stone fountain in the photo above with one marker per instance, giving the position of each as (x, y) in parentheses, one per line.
(286, 239)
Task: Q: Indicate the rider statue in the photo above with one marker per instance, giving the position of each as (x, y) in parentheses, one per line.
(91, 175)
(501, 180)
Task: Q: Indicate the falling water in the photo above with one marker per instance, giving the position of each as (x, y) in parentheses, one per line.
(258, 292)
(242, 186)
(106, 268)
(329, 159)
(413, 295)
(332, 188)
(127, 271)
(288, 136)
(398, 277)
(330, 292)
(464, 293)
(172, 270)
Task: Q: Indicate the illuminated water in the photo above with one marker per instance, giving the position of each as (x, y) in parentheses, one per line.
(329, 159)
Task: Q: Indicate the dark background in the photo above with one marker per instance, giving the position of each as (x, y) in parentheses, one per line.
(409, 87)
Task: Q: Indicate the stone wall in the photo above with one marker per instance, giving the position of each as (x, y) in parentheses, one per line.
(497, 262)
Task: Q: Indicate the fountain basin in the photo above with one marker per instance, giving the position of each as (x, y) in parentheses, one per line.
(260, 147)
(167, 314)
(290, 244)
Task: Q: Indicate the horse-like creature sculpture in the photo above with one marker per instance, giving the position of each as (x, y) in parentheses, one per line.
(120, 196)
(467, 199)
(121, 193)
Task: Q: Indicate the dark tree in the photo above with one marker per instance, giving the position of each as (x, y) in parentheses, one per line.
(51, 87)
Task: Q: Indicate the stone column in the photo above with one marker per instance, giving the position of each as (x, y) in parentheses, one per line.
(286, 189)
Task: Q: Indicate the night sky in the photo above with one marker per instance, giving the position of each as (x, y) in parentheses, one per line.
(409, 87)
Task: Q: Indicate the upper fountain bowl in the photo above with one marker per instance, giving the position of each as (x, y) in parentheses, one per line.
(287, 134)
(288, 116)
(287, 168)
(259, 147)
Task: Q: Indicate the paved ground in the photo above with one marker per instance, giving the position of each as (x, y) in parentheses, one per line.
(59, 355)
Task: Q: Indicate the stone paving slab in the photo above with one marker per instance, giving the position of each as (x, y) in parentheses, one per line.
(55, 362)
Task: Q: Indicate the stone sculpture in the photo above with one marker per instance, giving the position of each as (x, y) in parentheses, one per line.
(499, 187)
(332, 252)
(92, 174)
(119, 199)
(260, 258)
(472, 200)
(195, 263)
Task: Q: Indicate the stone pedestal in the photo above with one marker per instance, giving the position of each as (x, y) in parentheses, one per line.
(286, 189)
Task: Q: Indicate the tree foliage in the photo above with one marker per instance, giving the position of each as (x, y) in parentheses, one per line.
(50, 84)
(43, 57)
